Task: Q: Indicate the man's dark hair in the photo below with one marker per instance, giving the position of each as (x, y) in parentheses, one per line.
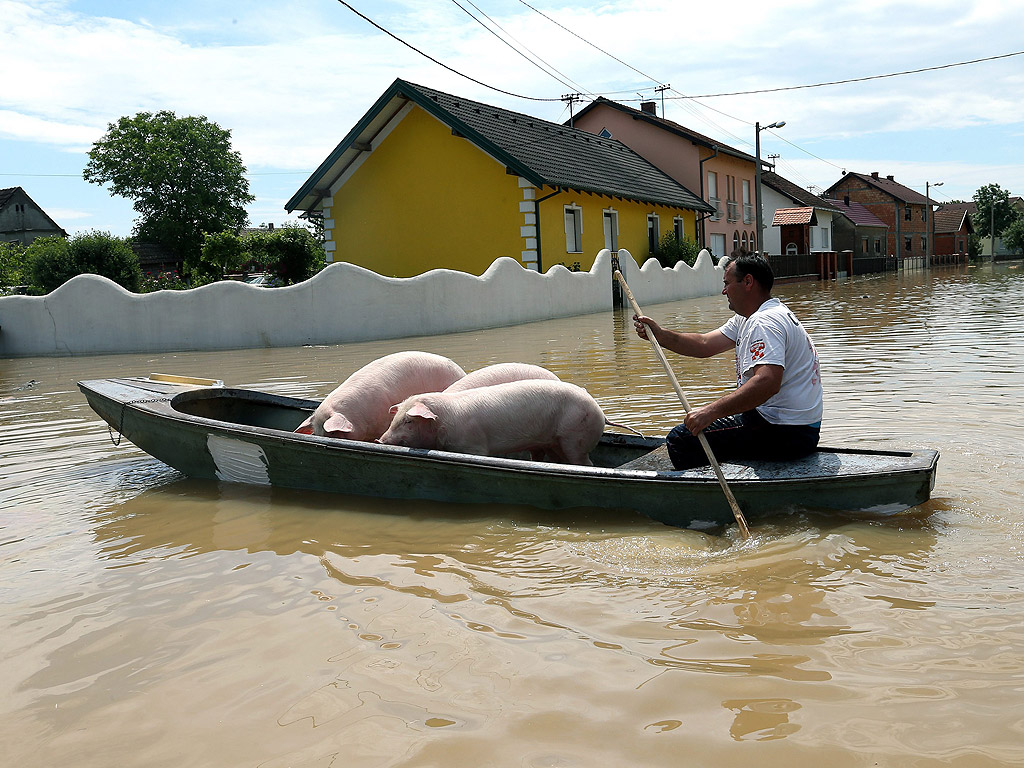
(753, 264)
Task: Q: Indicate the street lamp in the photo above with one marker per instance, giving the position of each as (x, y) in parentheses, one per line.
(757, 178)
(928, 224)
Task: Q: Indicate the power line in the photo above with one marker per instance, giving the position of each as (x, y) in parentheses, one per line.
(547, 69)
(857, 79)
(439, 63)
(592, 45)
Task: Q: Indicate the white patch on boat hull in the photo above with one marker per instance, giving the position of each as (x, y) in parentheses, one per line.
(238, 461)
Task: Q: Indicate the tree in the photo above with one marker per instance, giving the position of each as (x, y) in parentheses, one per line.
(52, 261)
(291, 252)
(13, 263)
(222, 252)
(184, 177)
(1013, 236)
(994, 210)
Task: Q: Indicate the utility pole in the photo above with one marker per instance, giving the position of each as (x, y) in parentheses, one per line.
(572, 98)
(661, 89)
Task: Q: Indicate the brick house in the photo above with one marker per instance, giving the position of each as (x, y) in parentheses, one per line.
(953, 228)
(899, 207)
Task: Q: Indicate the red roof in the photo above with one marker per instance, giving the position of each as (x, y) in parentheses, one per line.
(784, 216)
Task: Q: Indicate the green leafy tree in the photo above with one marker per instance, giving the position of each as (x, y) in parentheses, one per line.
(182, 174)
(672, 250)
(994, 210)
(222, 252)
(1013, 236)
(292, 253)
(13, 264)
(52, 261)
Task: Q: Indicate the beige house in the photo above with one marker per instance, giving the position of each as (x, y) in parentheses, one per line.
(720, 175)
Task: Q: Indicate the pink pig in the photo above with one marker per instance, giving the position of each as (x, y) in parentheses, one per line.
(359, 409)
(500, 373)
(551, 419)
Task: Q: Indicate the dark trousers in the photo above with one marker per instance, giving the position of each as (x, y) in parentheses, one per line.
(744, 436)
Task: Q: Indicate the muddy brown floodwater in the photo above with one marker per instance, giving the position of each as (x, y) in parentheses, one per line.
(152, 620)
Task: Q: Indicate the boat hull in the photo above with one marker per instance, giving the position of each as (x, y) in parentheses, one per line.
(245, 436)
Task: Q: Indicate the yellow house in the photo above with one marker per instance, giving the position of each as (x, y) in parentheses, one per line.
(428, 180)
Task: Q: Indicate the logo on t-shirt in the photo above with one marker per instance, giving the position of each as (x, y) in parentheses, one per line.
(756, 351)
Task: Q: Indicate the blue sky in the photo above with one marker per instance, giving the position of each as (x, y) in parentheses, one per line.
(289, 79)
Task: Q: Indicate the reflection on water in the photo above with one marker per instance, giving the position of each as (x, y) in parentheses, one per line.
(150, 619)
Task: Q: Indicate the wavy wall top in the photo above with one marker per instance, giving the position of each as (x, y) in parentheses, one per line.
(342, 303)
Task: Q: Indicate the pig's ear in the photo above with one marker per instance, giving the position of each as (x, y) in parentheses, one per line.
(306, 427)
(421, 410)
(393, 410)
(338, 426)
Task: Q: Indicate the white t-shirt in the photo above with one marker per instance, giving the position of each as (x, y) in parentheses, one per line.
(773, 336)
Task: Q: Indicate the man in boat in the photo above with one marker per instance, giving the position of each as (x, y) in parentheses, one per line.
(775, 411)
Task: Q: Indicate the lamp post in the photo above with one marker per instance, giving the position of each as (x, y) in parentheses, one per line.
(928, 225)
(757, 179)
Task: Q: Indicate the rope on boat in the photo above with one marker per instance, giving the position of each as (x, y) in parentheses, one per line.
(120, 424)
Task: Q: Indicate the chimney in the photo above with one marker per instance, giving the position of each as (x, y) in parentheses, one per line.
(270, 225)
(890, 178)
(649, 107)
(874, 174)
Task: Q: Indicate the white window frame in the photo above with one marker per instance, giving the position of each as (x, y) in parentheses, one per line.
(713, 198)
(716, 241)
(679, 227)
(573, 217)
(610, 218)
(653, 225)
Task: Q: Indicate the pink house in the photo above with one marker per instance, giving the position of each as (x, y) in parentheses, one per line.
(715, 172)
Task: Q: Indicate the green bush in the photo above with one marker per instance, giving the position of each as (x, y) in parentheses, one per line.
(291, 253)
(13, 269)
(222, 252)
(52, 261)
(671, 250)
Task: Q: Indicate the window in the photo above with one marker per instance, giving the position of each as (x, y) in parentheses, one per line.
(743, 241)
(864, 247)
(878, 245)
(908, 244)
(678, 227)
(611, 230)
(924, 244)
(717, 245)
(573, 229)
(825, 240)
(748, 208)
(736, 240)
(924, 214)
(653, 232)
(732, 206)
(907, 213)
(713, 198)
(791, 249)
(605, 133)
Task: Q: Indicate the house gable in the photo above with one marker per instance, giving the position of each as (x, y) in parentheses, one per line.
(22, 220)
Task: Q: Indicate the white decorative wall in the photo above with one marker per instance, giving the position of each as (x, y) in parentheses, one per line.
(343, 303)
